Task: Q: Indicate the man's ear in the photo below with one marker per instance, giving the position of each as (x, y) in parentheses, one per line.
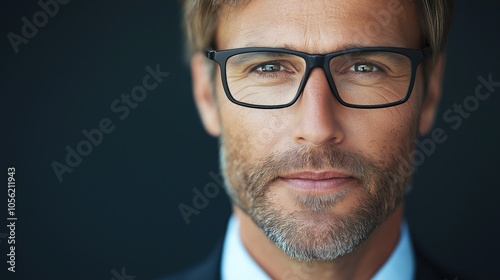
(431, 102)
(204, 96)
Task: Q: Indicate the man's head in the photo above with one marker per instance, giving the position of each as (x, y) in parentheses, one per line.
(318, 176)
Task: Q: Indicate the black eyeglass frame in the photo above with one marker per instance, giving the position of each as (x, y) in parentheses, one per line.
(416, 57)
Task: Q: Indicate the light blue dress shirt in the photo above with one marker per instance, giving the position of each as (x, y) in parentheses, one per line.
(237, 264)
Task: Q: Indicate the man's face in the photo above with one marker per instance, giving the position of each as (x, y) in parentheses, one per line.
(317, 177)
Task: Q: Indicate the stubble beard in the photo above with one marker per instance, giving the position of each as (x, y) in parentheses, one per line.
(315, 231)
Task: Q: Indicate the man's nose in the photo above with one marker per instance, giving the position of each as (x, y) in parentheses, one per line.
(318, 117)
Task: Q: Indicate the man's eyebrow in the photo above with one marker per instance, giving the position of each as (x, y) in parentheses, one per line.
(342, 47)
(245, 57)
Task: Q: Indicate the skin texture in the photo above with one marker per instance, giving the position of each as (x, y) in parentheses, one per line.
(359, 223)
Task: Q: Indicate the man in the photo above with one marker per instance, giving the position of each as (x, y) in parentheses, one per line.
(317, 105)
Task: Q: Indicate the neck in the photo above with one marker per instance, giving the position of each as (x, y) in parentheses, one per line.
(360, 264)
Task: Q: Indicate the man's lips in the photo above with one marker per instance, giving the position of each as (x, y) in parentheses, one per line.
(315, 175)
(317, 181)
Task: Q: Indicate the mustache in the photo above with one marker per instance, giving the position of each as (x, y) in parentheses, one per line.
(323, 158)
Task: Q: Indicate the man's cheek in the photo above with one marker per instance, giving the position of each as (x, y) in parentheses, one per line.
(263, 130)
(273, 124)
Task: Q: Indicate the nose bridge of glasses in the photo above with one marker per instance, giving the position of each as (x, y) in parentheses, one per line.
(313, 61)
(316, 61)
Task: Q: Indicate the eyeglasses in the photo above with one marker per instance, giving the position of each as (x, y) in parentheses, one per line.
(272, 78)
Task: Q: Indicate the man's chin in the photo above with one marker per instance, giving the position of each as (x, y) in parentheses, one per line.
(313, 235)
(316, 228)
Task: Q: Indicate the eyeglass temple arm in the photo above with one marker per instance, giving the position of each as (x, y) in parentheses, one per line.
(211, 54)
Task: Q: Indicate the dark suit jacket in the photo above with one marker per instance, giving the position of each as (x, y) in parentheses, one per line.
(209, 269)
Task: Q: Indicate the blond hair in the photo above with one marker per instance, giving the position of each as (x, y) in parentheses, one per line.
(201, 19)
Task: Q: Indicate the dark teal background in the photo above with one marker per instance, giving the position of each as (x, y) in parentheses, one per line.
(119, 207)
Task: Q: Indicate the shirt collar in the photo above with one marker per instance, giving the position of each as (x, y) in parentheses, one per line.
(237, 264)
(401, 263)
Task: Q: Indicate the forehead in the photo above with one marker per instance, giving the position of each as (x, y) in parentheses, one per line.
(319, 26)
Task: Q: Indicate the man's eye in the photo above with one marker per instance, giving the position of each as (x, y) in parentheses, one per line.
(270, 67)
(363, 67)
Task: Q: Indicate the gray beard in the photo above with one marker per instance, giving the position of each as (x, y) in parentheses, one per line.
(314, 233)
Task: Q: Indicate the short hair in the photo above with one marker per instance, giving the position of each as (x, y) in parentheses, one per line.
(202, 16)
